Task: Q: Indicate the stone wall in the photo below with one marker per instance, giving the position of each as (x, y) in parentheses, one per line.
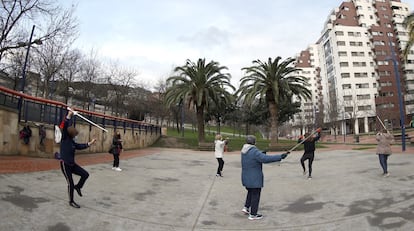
(11, 144)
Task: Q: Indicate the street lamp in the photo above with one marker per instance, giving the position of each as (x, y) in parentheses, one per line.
(400, 101)
(182, 117)
(37, 41)
(23, 83)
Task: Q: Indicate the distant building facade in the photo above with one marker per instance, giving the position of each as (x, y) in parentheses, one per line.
(359, 55)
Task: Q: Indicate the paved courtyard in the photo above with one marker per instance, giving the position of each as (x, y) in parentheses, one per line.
(175, 189)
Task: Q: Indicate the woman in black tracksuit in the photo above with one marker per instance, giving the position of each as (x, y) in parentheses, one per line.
(309, 154)
(67, 153)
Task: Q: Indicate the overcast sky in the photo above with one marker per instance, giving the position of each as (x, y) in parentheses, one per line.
(155, 36)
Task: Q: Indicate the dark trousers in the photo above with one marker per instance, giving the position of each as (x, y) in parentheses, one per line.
(309, 157)
(220, 165)
(383, 159)
(67, 171)
(116, 160)
(253, 199)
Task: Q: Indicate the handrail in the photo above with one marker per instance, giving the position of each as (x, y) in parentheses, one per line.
(58, 103)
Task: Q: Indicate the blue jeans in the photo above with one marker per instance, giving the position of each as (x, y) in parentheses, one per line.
(383, 161)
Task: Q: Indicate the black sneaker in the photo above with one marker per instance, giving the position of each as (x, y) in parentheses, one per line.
(78, 191)
(74, 205)
(255, 217)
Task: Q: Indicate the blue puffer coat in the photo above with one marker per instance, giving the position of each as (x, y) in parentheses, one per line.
(252, 160)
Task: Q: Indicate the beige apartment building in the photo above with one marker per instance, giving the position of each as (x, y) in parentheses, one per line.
(356, 71)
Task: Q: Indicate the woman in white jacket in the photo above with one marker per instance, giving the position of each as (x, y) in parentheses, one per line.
(219, 145)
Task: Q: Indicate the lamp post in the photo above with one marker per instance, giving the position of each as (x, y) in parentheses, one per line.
(344, 127)
(400, 101)
(23, 83)
(181, 104)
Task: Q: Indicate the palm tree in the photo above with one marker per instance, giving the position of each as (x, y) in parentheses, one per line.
(272, 82)
(197, 84)
(409, 24)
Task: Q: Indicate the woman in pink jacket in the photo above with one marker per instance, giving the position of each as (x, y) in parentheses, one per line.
(385, 140)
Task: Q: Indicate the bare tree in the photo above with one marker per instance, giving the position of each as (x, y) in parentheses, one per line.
(69, 72)
(51, 21)
(90, 74)
(332, 115)
(121, 80)
(50, 59)
(158, 109)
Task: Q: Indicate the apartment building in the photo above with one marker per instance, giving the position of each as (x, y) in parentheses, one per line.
(361, 72)
(311, 115)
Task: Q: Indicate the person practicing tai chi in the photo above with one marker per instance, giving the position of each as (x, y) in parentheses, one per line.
(116, 150)
(385, 140)
(67, 154)
(309, 145)
(252, 160)
(219, 145)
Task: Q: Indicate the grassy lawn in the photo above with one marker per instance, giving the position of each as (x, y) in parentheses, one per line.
(190, 140)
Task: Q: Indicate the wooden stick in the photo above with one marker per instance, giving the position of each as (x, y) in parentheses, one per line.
(303, 140)
(87, 120)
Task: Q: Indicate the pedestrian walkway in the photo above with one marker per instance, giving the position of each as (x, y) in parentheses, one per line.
(176, 189)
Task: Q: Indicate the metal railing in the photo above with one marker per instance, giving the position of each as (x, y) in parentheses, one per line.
(47, 111)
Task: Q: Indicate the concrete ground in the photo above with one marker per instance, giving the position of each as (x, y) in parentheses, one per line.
(176, 189)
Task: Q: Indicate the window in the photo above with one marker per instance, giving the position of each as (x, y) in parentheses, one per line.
(380, 52)
(345, 75)
(362, 97)
(357, 54)
(349, 109)
(361, 75)
(385, 84)
(342, 53)
(364, 108)
(346, 86)
(386, 94)
(339, 33)
(355, 44)
(384, 73)
(343, 64)
(361, 85)
(347, 97)
(340, 43)
(359, 64)
(379, 43)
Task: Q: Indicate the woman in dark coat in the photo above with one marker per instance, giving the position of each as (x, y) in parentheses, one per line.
(116, 150)
(68, 146)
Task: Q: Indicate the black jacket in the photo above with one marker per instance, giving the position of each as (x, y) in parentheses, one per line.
(68, 145)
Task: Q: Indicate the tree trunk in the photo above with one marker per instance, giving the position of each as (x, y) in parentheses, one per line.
(200, 122)
(273, 124)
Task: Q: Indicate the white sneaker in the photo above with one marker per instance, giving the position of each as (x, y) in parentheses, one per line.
(386, 174)
(246, 211)
(113, 168)
(118, 169)
(255, 217)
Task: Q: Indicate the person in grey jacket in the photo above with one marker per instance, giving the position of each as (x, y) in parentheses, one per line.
(252, 160)
(385, 140)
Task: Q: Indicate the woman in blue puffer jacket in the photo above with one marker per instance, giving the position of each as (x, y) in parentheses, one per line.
(252, 160)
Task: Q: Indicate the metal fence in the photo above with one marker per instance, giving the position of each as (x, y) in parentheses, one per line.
(46, 111)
